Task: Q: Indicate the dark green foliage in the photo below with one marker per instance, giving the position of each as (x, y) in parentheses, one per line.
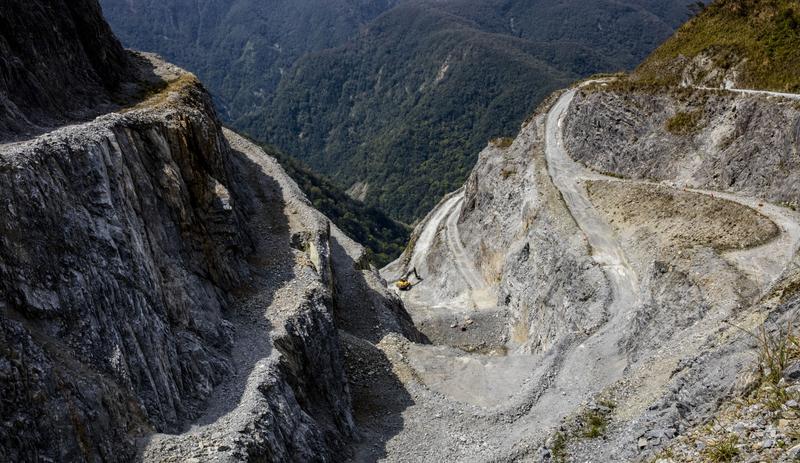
(595, 424)
(559, 448)
(238, 48)
(353, 87)
(384, 237)
(685, 122)
(722, 450)
(374, 111)
(408, 105)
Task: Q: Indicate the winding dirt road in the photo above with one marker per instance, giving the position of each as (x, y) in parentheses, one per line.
(536, 393)
(597, 362)
(589, 367)
(428, 234)
(745, 91)
(445, 218)
(466, 266)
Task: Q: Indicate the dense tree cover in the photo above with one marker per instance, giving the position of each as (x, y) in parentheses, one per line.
(407, 105)
(384, 237)
(238, 48)
(400, 94)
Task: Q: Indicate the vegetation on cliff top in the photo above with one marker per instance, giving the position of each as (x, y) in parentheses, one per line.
(760, 39)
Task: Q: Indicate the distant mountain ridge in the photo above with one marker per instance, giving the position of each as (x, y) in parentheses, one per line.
(395, 96)
(406, 106)
(239, 48)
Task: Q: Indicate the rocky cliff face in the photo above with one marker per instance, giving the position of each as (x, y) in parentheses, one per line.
(118, 240)
(730, 146)
(166, 290)
(59, 62)
(717, 140)
(528, 245)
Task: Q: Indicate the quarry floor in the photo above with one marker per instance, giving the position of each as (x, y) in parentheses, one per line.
(472, 400)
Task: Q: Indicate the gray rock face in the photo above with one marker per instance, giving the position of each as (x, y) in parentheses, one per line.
(739, 143)
(117, 242)
(530, 259)
(153, 277)
(513, 225)
(59, 61)
(792, 372)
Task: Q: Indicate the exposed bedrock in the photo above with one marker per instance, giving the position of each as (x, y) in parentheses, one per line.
(716, 140)
(116, 241)
(59, 61)
(154, 279)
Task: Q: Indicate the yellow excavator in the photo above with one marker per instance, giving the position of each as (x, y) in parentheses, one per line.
(404, 283)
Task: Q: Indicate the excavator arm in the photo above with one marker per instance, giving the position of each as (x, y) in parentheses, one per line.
(404, 283)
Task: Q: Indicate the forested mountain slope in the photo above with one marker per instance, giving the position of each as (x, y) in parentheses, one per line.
(745, 44)
(239, 48)
(402, 110)
(401, 102)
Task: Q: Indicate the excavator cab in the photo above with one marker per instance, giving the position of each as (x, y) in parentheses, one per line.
(404, 283)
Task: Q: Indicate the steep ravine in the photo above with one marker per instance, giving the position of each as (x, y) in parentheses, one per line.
(167, 292)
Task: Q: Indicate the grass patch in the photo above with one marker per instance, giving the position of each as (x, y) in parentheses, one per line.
(502, 142)
(775, 352)
(759, 38)
(595, 425)
(722, 450)
(608, 403)
(684, 122)
(594, 422)
(158, 94)
(590, 423)
(558, 449)
(505, 173)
